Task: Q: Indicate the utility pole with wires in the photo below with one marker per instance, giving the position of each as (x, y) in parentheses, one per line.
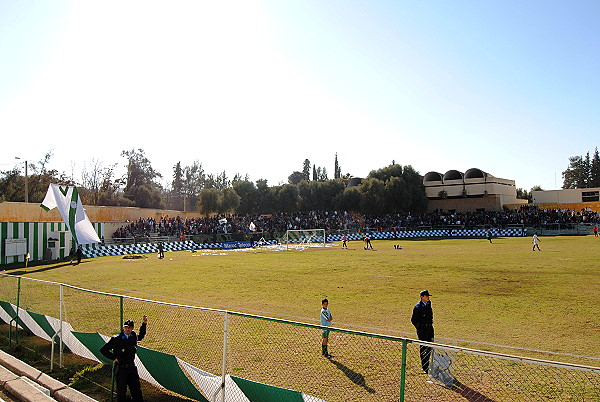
(26, 182)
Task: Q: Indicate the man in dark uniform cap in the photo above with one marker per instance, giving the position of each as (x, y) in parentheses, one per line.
(422, 319)
(121, 348)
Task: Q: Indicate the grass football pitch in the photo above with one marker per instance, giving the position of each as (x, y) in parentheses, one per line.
(483, 295)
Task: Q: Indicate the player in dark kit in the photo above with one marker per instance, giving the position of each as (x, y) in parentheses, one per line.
(121, 348)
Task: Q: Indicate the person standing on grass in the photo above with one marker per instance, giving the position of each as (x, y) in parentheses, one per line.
(161, 250)
(536, 242)
(79, 254)
(344, 240)
(368, 245)
(488, 235)
(326, 319)
(595, 231)
(121, 349)
(422, 319)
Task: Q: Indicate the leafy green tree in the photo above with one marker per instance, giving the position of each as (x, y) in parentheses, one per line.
(385, 173)
(372, 196)
(228, 200)
(403, 188)
(321, 195)
(416, 200)
(193, 182)
(350, 199)
(576, 175)
(221, 181)
(248, 194)
(218, 182)
(327, 194)
(295, 177)
(12, 186)
(305, 195)
(146, 196)
(397, 195)
(267, 197)
(261, 184)
(238, 177)
(287, 198)
(523, 194)
(208, 202)
(140, 184)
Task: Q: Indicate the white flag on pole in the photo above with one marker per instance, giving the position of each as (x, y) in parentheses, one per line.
(66, 199)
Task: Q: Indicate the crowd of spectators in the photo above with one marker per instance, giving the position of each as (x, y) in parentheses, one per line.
(333, 221)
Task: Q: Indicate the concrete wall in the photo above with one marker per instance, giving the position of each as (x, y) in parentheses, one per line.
(565, 196)
(487, 202)
(30, 212)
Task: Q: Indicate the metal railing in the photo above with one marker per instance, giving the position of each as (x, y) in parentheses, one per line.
(286, 354)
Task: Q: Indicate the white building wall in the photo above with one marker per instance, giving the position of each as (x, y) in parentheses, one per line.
(564, 196)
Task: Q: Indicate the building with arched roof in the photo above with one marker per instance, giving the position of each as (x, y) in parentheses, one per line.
(473, 190)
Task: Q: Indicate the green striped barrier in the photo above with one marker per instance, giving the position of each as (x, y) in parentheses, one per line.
(160, 369)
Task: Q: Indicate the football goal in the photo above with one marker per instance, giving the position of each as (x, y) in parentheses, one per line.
(302, 239)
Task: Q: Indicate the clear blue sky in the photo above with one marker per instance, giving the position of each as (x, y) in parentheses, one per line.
(256, 87)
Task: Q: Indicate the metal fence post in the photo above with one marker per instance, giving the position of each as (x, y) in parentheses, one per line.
(121, 313)
(60, 339)
(59, 334)
(16, 317)
(224, 361)
(403, 370)
(112, 371)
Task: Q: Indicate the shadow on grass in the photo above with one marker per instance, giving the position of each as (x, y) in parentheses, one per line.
(25, 271)
(469, 393)
(355, 377)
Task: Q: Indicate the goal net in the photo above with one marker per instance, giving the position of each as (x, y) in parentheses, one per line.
(302, 239)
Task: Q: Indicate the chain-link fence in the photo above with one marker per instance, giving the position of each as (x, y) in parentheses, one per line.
(192, 351)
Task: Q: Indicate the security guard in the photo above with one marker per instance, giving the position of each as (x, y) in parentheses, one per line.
(121, 348)
(422, 319)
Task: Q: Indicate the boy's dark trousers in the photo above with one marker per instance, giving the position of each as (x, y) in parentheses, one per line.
(127, 375)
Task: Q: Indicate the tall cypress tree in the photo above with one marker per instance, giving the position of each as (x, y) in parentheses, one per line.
(595, 170)
(306, 170)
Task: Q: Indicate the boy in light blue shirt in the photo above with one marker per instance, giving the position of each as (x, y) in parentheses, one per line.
(326, 319)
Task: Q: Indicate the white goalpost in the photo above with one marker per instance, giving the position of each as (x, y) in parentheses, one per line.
(302, 239)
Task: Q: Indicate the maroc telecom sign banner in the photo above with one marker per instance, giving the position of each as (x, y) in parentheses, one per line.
(236, 244)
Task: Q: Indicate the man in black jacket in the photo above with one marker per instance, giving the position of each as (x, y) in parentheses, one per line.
(422, 319)
(121, 348)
